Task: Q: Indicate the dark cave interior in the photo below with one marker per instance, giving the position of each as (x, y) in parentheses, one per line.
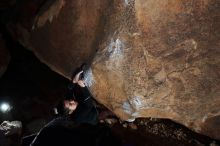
(32, 89)
(29, 84)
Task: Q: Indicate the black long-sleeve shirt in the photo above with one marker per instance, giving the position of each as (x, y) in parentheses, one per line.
(85, 115)
(86, 111)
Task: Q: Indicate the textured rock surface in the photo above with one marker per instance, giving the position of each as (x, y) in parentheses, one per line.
(4, 57)
(155, 58)
(161, 59)
(63, 34)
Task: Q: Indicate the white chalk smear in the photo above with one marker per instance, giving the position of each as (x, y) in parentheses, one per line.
(136, 102)
(127, 2)
(115, 48)
(88, 77)
(127, 107)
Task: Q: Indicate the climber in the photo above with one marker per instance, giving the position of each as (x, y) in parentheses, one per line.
(77, 120)
(75, 111)
(78, 104)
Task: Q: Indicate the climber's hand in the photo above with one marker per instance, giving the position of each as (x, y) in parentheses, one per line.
(76, 78)
(81, 83)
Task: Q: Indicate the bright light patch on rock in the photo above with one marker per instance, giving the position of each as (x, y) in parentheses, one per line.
(88, 78)
(127, 2)
(115, 48)
(136, 102)
(127, 107)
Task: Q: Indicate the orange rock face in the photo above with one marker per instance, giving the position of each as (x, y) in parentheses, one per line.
(150, 58)
(68, 31)
(161, 59)
(4, 57)
(62, 34)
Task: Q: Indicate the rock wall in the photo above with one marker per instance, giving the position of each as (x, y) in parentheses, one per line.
(149, 58)
(161, 59)
(62, 34)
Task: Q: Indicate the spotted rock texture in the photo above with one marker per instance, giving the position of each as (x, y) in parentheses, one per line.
(149, 58)
(162, 59)
(4, 57)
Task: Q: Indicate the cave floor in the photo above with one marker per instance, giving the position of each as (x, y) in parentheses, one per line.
(148, 131)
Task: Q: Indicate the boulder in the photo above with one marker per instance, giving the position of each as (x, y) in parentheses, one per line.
(62, 34)
(11, 128)
(149, 58)
(161, 59)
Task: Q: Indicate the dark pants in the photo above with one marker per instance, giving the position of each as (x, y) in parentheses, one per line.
(62, 132)
(26, 141)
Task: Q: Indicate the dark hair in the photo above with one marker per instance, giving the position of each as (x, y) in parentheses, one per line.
(70, 95)
(61, 110)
